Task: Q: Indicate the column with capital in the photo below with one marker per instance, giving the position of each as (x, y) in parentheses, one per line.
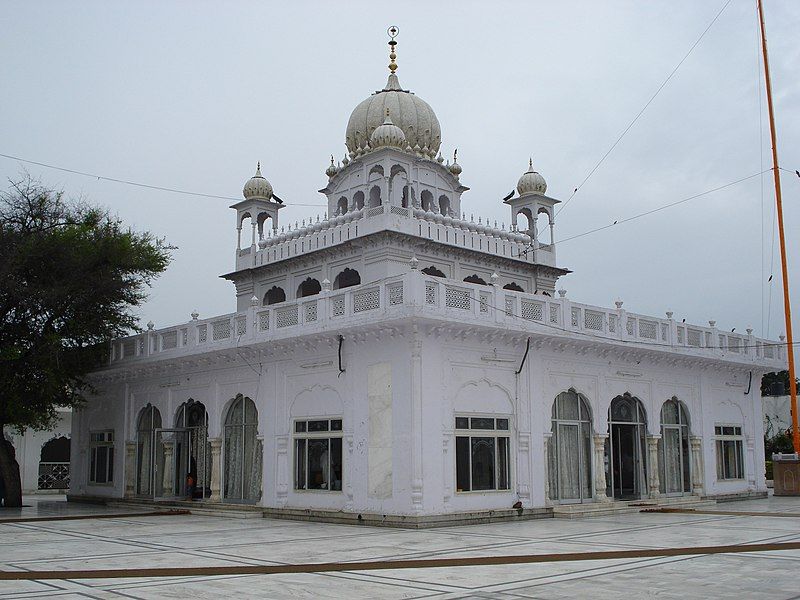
(600, 467)
(653, 478)
(697, 465)
(547, 491)
(216, 451)
(130, 468)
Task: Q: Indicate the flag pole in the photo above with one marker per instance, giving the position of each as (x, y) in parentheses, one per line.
(784, 269)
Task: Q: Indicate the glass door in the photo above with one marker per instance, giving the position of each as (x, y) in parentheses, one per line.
(171, 463)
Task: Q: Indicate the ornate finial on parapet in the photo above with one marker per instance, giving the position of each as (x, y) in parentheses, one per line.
(195, 314)
(530, 163)
(618, 304)
(749, 331)
(392, 31)
(150, 325)
(669, 314)
(562, 293)
(712, 323)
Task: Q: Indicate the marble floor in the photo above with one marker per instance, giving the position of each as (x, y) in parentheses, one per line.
(158, 541)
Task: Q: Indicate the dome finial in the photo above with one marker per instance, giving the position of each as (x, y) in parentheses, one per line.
(392, 31)
(530, 163)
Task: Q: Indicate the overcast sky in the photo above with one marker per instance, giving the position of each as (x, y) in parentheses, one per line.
(190, 95)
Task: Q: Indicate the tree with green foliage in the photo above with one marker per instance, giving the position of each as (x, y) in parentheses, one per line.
(70, 275)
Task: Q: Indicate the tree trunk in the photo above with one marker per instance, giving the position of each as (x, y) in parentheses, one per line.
(9, 473)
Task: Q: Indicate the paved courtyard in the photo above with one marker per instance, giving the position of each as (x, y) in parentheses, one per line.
(195, 541)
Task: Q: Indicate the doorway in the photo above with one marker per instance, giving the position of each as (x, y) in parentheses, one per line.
(625, 454)
(171, 463)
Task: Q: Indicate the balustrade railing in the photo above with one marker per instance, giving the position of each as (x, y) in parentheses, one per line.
(420, 294)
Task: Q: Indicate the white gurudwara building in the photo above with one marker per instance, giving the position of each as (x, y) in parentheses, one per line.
(398, 362)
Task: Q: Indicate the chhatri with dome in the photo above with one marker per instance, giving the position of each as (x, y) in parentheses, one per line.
(397, 362)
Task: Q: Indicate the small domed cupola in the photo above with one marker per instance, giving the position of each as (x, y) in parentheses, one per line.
(332, 169)
(531, 182)
(387, 135)
(455, 168)
(257, 187)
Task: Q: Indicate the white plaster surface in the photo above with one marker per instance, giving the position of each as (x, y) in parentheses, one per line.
(173, 541)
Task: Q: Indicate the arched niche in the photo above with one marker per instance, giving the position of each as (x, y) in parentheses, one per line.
(341, 205)
(346, 278)
(475, 279)
(242, 452)
(444, 205)
(674, 449)
(358, 200)
(570, 448)
(426, 198)
(433, 271)
(309, 287)
(274, 295)
(375, 196)
(513, 286)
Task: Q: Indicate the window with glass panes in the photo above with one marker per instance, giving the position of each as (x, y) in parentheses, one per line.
(482, 454)
(318, 454)
(730, 451)
(101, 457)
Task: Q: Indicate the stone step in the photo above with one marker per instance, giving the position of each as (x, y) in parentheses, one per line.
(620, 507)
(216, 509)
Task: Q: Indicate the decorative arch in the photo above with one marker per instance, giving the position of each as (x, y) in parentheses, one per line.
(570, 448)
(513, 286)
(149, 420)
(309, 287)
(243, 452)
(358, 200)
(544, 231)
(375, 196)
(409, 196)
(193, 416)
(444, 205)
(242, 217)
(674, 449)
(376, 170)
(433, 271)
(426, 198)
(626, 449)
(54, 464)
(346, 278)
(474, 279)
(274, 295)
(341, 205)
(525, 212)
(483, 395)
(316, 400)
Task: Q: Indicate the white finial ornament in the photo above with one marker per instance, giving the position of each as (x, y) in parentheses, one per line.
(531, 182)
(331, 170)
(257, 187)
(455, 168)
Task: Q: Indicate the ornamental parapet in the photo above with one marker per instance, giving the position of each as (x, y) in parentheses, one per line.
(446, 303)
(446, 229)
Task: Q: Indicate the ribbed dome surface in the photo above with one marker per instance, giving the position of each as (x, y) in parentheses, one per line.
(257, 187)
(410, 113)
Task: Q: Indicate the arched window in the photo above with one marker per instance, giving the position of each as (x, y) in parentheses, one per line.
(514, 287)
(341, 206)
(309, 287)
(475, 279)
(274, 295)
(570, 449)
(374, 196)
(346, 278)
(427, 200)
(149, 421)
(358, 200)
(54, 464)
(243, 452)
(674, 458)
(433, 271)
(626, 451)
(193, 417)
(444, 205)
(375, 172)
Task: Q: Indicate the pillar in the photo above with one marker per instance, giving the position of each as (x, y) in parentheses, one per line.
(600, 467)
(130, 468)
(696, 443)
(653, 478)
(216, 451)
(547, 499)
(168, 480)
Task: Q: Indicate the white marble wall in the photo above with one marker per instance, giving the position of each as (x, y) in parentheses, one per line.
(379, 390)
